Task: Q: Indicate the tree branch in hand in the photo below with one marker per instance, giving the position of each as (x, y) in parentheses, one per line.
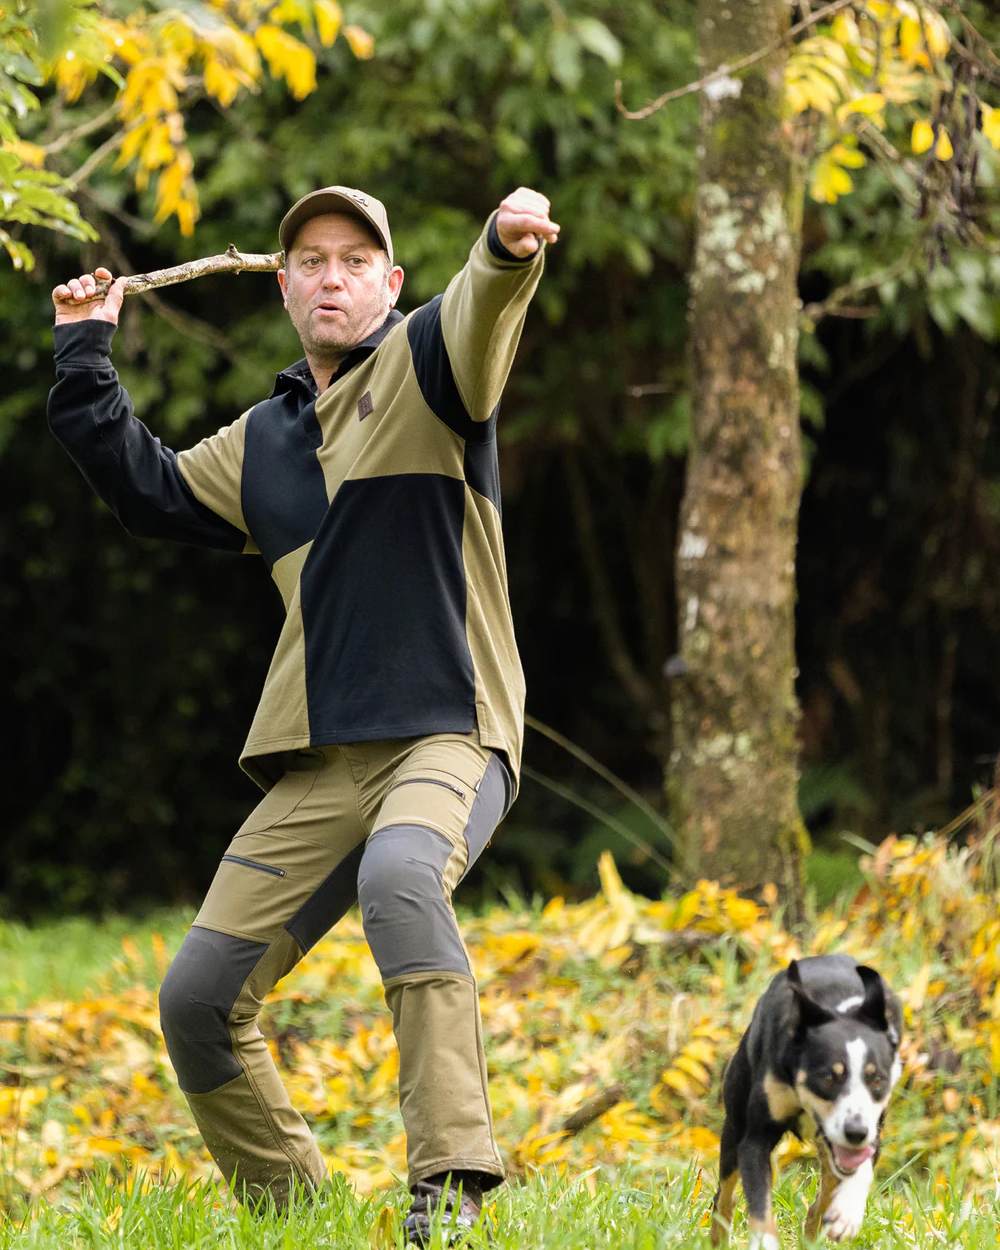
(231, 261)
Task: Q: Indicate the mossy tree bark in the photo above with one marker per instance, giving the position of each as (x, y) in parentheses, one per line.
(732, 777)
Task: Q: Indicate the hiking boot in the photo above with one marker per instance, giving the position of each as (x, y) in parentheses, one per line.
(458, 1212)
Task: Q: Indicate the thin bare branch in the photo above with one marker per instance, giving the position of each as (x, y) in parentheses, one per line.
(81, 131)
(726, 71)
(184, 323)
(111, 144)
(230, 261)
(837, 302)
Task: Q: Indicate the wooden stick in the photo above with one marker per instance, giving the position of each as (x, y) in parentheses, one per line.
(593, 1108)
(231, 261)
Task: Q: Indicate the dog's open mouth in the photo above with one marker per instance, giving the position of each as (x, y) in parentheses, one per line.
(848, 1160)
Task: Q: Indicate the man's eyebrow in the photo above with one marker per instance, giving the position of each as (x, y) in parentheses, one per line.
(357, 245)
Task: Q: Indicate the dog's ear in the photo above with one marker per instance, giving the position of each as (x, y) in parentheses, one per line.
(811, 1013)
(872, 1010)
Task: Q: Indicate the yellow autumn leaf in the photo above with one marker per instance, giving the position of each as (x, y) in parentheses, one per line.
(177, 38)
(187, 214)
(678, 1082)
(911, 44)
(829, 181)
(690, 1066)
(625, 1123)
(844, 29)
(328, 19)
(991, 124)
(361, 43)
(106, 1145)
(687, 909)
(156, 152)
(383, 1233)
(937, 32)
(702, 1050)
(385, 1076)
(697, 1138)
(943, 149)
(28, 153)
(871, 104)
(288, 58)
(743, 912)
(537, 1147)
(72, 75)
(290, 11)
(169, 189)
(220, 81)
(19, 1100)
(847, 156)
(611, 883)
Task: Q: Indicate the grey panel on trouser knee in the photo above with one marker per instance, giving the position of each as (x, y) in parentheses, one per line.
(254, 1133)
(196, 999)
(405, 909)
(328, 904)
(492, 800)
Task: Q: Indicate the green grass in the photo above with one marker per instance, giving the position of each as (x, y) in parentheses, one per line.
(61, 959)
(655, 1200)
(590, 1213)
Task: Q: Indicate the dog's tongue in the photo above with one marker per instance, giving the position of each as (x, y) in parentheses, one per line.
(850, 1160)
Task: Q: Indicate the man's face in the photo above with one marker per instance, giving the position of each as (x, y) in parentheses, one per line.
(337, 285)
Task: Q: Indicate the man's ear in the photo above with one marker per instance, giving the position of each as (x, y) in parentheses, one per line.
(281, 282)
(395, 284)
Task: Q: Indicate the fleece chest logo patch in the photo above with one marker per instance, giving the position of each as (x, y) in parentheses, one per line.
(366, 405)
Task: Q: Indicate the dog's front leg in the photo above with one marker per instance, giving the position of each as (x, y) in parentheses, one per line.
(846, 1209)
(755, 1172)
(729, 1175)
(828, 1183)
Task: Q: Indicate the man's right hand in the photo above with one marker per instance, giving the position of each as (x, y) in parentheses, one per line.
(74, 300)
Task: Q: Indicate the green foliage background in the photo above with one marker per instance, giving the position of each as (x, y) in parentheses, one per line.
(134, 668)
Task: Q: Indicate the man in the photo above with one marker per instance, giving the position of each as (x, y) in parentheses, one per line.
(388, 733)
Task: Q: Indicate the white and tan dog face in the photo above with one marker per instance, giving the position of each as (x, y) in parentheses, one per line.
(845, 1076)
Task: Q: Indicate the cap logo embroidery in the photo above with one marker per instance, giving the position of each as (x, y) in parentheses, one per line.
(361, 199)
(366, 405)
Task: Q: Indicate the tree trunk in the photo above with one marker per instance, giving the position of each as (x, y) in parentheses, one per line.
(732, 779)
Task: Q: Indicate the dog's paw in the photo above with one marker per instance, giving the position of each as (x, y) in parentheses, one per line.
(842, 1219)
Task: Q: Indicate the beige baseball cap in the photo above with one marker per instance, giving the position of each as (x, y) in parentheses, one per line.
(336, 200)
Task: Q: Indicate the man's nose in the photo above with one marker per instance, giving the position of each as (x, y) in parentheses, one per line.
(333, 275)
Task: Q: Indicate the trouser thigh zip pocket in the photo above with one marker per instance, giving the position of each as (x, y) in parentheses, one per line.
(253, 863)
(428, 781)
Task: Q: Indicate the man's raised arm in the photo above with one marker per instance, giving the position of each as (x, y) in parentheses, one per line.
(139, 479)
(479, 318)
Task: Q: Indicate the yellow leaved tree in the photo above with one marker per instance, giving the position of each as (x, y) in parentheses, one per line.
(155, 62)
(890, 81)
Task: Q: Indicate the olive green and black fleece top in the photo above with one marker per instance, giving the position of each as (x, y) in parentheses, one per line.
(375, 505)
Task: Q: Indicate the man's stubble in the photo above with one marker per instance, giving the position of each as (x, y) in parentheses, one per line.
(327, 341)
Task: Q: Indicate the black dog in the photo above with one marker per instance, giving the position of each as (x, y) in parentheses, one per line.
(823, 1045)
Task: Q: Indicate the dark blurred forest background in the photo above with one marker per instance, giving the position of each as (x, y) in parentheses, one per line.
(134, 667)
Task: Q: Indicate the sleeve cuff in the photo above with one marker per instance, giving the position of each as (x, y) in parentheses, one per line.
(498, 250)
(84, 343)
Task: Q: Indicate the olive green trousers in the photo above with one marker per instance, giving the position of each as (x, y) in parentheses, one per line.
(395, 825)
